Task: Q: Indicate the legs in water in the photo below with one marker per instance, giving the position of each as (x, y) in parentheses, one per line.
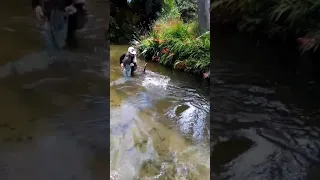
(71, 39)
(76, 21)
(48, 39)
(131, 70)
(55, 31)
(127, 71)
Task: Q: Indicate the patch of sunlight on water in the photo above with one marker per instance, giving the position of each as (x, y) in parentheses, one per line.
(185, 115)
(145, 148)
(147, 140)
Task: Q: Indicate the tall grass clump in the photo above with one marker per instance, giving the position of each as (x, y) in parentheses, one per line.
(172, 42)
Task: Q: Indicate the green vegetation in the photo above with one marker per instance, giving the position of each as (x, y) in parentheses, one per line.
(174, 39)
(283, 19)
(188, 9)
(167, 31)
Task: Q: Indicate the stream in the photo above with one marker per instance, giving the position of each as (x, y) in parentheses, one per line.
(159, 122)
(54, 112)
(264, 122)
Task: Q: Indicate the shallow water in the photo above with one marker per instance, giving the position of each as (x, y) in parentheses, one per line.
(159, 123)
(264, 123)
(53, 113)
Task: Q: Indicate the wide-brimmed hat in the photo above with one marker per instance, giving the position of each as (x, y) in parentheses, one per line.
(131, 50)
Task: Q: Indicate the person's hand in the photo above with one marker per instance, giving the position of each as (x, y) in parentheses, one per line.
(121, 65)
(131, 64)
(39, 13)
(70, 9)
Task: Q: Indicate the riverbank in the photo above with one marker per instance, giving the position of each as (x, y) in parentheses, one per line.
(176, 44)
(281, 19)
(176, 39)
(287, 55)
(281, 24)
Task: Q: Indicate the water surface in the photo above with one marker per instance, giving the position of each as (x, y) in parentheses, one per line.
(264, 122)
(159, 123)
(54, 111)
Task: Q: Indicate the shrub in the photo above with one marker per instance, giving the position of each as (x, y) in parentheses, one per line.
(188, 9)
(174, 43)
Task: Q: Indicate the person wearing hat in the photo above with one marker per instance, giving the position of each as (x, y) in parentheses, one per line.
(128, 62)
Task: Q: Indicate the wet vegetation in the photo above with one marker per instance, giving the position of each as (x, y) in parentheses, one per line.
(175, 43)
(175, 39)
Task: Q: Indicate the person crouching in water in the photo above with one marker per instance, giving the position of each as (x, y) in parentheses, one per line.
(60, 20)
(128, 62)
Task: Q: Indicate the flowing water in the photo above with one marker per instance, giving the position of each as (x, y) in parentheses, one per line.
(159, 123)
(53, 112)
(54, 125)
(264, 124)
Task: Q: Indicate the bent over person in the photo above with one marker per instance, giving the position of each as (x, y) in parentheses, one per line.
(128, 62)
(60, 20)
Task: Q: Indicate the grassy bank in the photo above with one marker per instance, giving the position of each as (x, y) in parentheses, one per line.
(177, 44)
(290, 19)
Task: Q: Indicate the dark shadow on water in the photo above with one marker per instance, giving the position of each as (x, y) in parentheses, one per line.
(275, 114)
(54, 111)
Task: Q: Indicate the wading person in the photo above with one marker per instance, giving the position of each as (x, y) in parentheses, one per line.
(128, 62)
(60, 19)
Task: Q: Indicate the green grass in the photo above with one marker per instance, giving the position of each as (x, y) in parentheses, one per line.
(172, 42)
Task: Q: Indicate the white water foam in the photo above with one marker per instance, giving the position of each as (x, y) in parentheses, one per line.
(156, 80)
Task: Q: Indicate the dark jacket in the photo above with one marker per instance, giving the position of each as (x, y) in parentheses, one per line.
(48, 5)
(76, 21)
(131, 59)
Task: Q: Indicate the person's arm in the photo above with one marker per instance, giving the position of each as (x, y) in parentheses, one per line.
(135, 60)
(69, 7)
(131, 59)
(36, 6)
(121, 58)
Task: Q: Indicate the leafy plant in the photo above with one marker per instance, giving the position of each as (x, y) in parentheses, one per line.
(188, 9)
(174, 43)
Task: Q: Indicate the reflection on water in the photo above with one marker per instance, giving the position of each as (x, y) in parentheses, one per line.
(159, 124)
(261, 127)
(54, 111)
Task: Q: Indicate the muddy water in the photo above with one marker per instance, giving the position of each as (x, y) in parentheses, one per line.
(159, 123)
(53, 112)
(264, 123)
